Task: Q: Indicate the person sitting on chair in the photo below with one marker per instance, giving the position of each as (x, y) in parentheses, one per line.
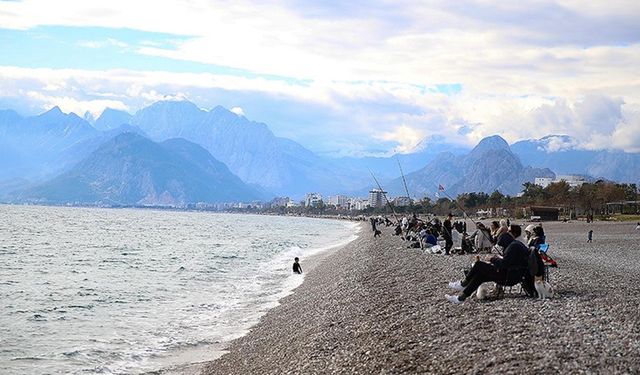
(508, 269)
(481, 238)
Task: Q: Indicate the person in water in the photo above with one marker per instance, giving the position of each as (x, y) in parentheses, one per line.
(296, 266)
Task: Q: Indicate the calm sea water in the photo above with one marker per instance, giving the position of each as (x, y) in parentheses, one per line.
(88, 290)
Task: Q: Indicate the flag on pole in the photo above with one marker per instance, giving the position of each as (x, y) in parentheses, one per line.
(440, 187)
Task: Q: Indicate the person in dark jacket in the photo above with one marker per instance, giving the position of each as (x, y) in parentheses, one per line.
(508, 269)
(447, 234)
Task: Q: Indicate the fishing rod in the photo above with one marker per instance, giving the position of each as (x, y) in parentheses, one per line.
(385, 196)
(404, 181)
(466, 215)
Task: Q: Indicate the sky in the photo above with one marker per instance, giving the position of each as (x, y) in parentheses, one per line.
(340, 77)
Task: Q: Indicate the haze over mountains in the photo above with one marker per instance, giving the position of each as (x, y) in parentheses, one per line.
(132, 170)
(490, 166)
(56, 157)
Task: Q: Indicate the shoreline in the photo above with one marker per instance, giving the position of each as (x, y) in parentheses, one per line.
(220, 349)
(375, 306)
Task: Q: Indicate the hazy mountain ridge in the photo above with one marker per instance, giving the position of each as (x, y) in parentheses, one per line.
(487, 167)
(112, 119)
(132, 170)
(36, 148)
(248, 148)
(560, 153)
(386, 167)
(40, 146)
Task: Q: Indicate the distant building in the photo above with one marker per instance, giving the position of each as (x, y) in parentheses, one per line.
(338, 200)
(377, 198)
(280, 202)
(359, 204)
(573, 181)
(543, 181)
(313, 200)
(402, 201)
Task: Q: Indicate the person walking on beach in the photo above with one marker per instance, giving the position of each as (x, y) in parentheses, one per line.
(590, 235)
(297, 268)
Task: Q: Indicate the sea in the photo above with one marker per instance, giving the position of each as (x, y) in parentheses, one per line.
(134, 291)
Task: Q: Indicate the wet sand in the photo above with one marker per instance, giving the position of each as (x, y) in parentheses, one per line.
(376, 306)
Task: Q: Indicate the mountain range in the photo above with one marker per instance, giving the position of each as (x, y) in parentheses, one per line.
(489, 166)
(130, 169)
(560, 153)
(40, 154)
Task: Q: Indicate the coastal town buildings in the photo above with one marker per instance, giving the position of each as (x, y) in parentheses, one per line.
(338, 201)
(280, 202)
(377, 198)
(572, 180)
(358, 204)
(313, 200)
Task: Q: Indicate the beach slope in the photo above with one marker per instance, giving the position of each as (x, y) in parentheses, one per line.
(376, 306)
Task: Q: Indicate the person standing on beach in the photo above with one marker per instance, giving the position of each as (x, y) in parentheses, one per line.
(590, 235)
(447, 234)
(297, 268)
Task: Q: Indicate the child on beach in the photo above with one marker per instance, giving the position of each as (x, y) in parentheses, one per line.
(590, 235)
(296, 266)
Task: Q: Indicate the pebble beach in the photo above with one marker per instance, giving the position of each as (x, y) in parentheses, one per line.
(375, 306)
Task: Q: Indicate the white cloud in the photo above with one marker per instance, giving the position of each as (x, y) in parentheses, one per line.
(405, 136)
(321, 115)
(527, 69)
(560, 143)
(238, 111)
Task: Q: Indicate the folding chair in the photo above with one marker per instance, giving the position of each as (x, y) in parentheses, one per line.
(546, 259)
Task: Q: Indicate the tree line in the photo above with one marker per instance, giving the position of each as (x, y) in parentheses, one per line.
(590, 198)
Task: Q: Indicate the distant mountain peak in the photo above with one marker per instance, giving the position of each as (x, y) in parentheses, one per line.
(55, 109)
(174, 103)
(112, 119)
(492, 143)
(222, 111)
(109, 110)
(53, 112)
(133, 170)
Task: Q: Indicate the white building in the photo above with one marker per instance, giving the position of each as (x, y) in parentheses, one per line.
(359, 204)
(377, 198)
(543, 181)
(313, 200)
(573, 181)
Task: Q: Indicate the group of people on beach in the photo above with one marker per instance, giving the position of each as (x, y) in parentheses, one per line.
(508, 248)
(509, 267)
